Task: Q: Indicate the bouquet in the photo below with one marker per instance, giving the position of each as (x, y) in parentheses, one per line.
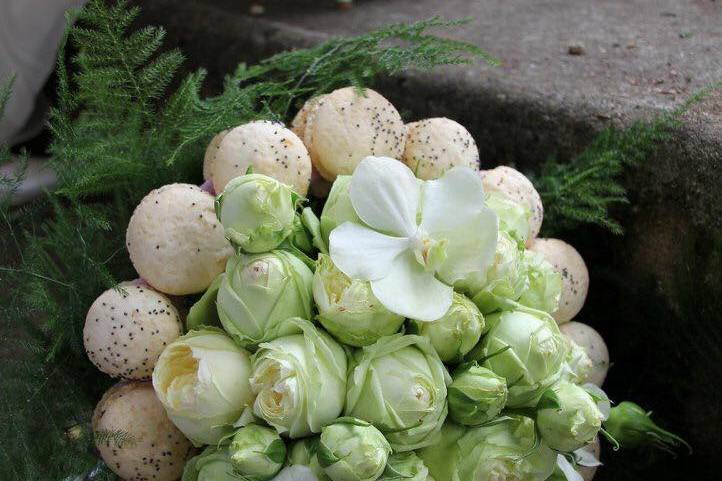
(365, 303)
(417, 328)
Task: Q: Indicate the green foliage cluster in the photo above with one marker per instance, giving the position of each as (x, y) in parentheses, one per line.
(583, 190)
(118, 131)
(8, 183)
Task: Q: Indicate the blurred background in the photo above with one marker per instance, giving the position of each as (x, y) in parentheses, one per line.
(569, 69)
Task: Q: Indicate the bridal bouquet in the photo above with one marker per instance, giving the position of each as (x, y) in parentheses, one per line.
(413, 327)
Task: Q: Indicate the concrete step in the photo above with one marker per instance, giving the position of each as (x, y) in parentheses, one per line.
(547, 98)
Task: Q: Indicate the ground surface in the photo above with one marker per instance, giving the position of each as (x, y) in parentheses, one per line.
(637, 57)
(634, 53)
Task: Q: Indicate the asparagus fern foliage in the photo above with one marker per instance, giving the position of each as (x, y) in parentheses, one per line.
(585, 189)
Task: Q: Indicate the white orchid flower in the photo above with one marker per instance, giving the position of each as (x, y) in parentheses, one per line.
(419, 237)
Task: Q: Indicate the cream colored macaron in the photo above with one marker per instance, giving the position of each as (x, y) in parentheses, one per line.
(210, 154)
(593, 344)
(134, 436)
(575, 277)
(175, 240)
(346, 126)
(127, 328)
(518, 188)
(298, 124)
(434, 146)
(268, 148)
(319, 186)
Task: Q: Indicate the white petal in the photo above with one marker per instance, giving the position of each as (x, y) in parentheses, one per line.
(362, 253)
(296, 473)
(585, 456)
(451, 201)
(470, 247)
(410, 291)
(601, 398)
(385, 195)
(567, 469)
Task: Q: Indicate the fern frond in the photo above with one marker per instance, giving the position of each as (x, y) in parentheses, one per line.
(38, 403)
(5, 90)
(584, 190)
(360, 60)
(269, 90)
(10, 181)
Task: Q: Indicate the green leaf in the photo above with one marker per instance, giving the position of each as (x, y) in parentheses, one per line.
(325, 456)
(276, 451)
(351, 421)
(585, 189)
(548, 400)
(313, 225)
(204, 311)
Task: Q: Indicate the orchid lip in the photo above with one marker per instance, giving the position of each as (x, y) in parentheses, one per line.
(428, 251)
(418, 242)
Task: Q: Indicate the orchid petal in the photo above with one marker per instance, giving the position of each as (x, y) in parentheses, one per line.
(470, 247)
(385, 195)
(410, 291)
(453, 209)
(452, 201)
(363, 253)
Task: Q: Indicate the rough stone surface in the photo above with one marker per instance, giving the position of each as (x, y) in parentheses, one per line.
(640, 56)
(569, 68)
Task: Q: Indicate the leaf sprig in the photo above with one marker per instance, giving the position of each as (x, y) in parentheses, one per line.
(585, 189)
